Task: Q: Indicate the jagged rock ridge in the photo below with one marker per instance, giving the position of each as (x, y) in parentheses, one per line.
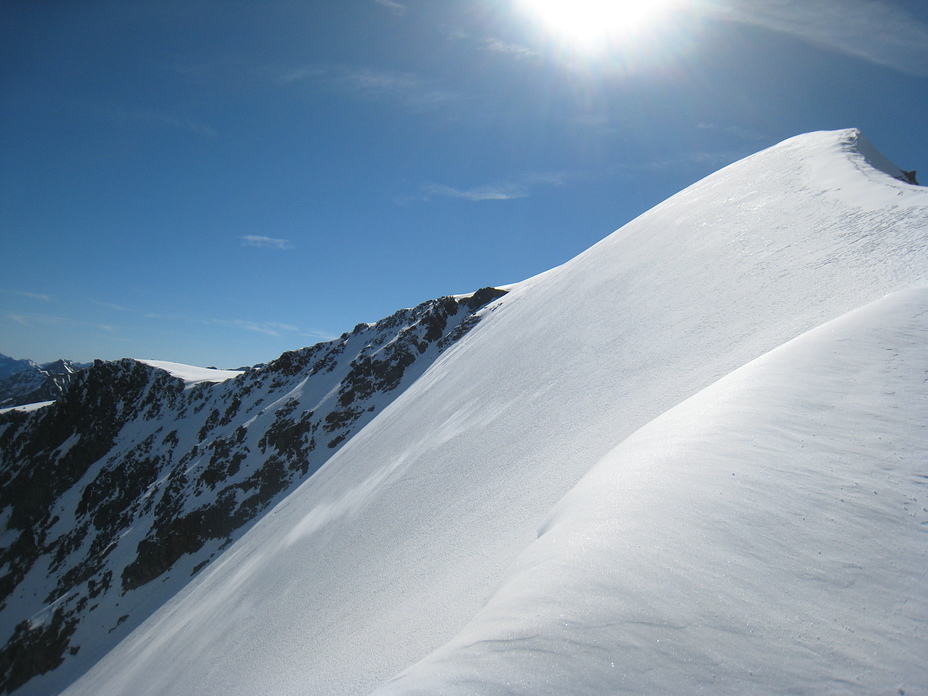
(132, 476)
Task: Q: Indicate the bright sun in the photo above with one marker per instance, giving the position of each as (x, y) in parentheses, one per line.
(587, 23)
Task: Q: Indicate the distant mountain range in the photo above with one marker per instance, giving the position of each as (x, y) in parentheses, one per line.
(690, 460)
(25, 382)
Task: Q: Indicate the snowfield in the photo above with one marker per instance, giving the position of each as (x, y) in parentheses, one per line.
(191, 374)
(690, 460)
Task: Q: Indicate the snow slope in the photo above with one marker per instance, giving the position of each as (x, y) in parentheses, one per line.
(398, 541)
(191, 374)
(768, 535)
(28, 407)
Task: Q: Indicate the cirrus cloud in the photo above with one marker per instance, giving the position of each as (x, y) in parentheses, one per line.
(522, 187)
(257, 240)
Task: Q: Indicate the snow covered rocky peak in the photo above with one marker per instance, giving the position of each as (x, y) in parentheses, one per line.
(10, 366)
(689, 460)
(24, 382)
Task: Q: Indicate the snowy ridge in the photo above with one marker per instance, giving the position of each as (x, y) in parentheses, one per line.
(192, 374)
(28, 407)
(767, 535)
(397, 542)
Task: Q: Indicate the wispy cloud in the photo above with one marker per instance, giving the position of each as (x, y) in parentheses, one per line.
(495, 45)
(318, 335)
(408, 89)
(877, 31)
(511, 49)
(308, 72)
(110, 305)
(130, 116)
(266, 328)
(33, 295)
(502, 191)
(42, 319)
(256, 240)
(394, 7)
(497, 192)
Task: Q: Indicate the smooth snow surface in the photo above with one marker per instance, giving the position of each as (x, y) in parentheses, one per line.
(768, 535)
(387, 552)
(191, 374)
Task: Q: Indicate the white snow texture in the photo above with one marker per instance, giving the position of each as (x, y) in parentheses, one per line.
(694, 459)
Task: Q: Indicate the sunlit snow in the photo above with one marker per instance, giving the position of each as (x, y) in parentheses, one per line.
(27, 407)
(736, 379)
(191, 374)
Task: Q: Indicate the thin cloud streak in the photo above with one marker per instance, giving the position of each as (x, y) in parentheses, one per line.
(873, 30)
(256, 240)
(318, 336)
(42, 319)
(33, 295)
(503, 191)
(134, 117)
(409, 90)
(110, 305)
(511, 49)
(266, 328)
(394, 7)
(496, 45)
(271, 328)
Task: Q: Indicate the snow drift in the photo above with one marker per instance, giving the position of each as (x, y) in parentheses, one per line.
(768, 535)
(681, 562)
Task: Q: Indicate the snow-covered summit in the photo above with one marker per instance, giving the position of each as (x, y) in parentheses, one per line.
(191, 374)
(420, 532)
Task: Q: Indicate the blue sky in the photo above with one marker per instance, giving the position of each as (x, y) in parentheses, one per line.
(217, 182)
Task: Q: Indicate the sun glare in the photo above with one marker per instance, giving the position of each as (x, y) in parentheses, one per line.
(588, 23)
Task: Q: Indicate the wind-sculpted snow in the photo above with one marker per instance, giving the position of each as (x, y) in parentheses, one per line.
(769, 535)
(136, 479)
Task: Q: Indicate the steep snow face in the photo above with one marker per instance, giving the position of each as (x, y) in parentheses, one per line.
(768, 535)
(396, 543)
